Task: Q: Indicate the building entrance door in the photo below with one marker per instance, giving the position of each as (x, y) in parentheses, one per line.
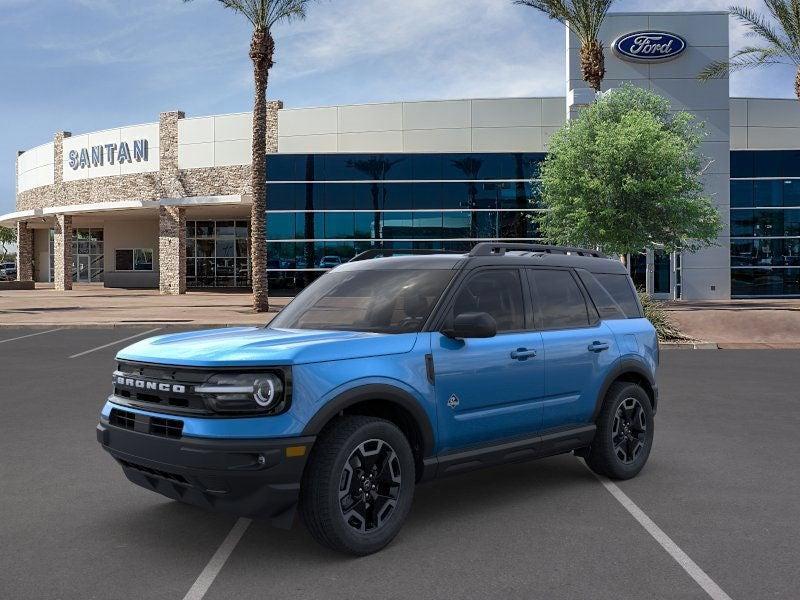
(83, 269)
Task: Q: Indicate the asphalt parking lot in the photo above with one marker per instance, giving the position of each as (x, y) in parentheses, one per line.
(722, 483)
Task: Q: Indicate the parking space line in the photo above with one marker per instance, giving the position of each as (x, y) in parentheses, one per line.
(114, 343)
(687, 564)
(214, 566)
(22, 337)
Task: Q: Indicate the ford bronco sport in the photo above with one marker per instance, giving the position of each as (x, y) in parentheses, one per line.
(385, 372)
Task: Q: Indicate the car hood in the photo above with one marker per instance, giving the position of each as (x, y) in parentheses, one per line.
(257, 346)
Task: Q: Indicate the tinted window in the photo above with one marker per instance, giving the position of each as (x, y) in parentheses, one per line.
(607, 306)
(390, 301)
(619, 286)
(558, 299)
(497, 292)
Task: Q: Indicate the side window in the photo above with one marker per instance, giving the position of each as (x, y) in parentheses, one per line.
(558, 299)
(497, 292)
(619, 286)
(606, 305)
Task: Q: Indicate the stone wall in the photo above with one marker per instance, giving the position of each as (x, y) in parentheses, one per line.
(62, 253)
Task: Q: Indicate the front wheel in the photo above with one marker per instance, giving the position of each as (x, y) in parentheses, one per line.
(624, 435)
(358, 486)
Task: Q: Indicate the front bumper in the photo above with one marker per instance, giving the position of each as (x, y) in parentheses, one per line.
(255, 478)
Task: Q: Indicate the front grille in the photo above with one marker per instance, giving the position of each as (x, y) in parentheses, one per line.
(157, 472)
(122, 418)
(172, 428)
(169, 388)
(162, 427)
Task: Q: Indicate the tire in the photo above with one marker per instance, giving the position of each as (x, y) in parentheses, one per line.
(624, 435)
(352, 521)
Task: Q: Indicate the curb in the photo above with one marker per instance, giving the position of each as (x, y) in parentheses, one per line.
(689, 345)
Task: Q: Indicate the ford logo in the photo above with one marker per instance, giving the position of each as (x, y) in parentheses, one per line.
(649, 46)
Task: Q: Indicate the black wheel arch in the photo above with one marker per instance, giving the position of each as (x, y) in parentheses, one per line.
(387, 402)
(633, 371)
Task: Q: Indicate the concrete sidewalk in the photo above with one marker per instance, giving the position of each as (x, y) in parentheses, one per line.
(740, 323)
(94, 305)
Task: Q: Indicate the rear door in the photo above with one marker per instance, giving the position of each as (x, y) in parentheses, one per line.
(489, 389)
(579, 349)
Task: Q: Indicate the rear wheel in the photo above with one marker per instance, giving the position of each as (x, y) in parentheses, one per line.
(358, 487)
(624, 433)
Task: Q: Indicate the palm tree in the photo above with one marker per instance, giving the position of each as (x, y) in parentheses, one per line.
(584, 19)
(262, 15)
(780, 41)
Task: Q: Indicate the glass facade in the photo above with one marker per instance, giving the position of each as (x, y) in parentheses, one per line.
(217, 254)
(765, 223)
(325, 208)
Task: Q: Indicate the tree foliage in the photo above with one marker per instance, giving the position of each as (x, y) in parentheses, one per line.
(8, 236)
(777, 35)
(584, 19)
(626, 175)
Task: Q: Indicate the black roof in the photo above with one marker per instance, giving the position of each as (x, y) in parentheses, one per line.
(500, 254)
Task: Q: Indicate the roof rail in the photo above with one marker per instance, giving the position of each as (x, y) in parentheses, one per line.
(500, 248)
(382, 252)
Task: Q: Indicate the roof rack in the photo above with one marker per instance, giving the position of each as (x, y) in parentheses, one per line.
(500, 248)
(382, 252)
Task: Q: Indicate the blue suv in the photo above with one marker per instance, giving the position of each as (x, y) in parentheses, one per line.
(385, 372)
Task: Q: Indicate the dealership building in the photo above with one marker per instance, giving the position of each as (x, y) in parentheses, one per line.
(167, 204)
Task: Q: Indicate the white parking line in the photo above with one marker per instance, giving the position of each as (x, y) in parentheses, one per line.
(695, 572)
(114, 343)
(22, 337)
(214, 566)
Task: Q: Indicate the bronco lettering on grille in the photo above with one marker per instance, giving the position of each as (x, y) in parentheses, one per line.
(155, 386)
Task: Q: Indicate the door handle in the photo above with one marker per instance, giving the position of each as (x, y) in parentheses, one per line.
(522, 354)
(598, 346)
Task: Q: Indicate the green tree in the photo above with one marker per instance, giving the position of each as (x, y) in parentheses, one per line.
(7, 236)
(584, 19)
(263, 15)
(778, 37)
(626, 175)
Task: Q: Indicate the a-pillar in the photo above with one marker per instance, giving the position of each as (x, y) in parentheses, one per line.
(24, 252)
(171, 250)
(62, 253)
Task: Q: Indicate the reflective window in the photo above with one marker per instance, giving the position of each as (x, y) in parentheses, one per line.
(619, 286)
(88, 262)
(741, 194)
(497, 292)
(218, 252)
(391, 301)
(765, 282)
(558, 300)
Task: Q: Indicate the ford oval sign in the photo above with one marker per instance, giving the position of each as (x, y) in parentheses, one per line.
(649, 46)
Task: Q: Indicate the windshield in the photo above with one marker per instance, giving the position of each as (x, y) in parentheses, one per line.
(390, 301)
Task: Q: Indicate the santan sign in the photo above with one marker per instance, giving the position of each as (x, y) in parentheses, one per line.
(649, 46)
(97, 156)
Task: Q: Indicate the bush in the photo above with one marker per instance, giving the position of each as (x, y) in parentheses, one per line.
(665, 327)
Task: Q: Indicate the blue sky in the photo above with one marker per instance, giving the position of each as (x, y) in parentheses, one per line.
(84, 65)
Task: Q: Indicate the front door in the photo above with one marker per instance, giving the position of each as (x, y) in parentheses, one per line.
(489, 389)
(579, 348)
(83, 268)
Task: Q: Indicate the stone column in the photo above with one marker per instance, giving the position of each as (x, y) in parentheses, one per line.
(171, 250)
(24, 252)
(171, 184)
(62, 250)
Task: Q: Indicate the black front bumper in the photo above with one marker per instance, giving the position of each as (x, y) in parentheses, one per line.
(248, 478)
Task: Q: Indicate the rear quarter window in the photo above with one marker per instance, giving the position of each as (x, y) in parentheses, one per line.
(619, 296)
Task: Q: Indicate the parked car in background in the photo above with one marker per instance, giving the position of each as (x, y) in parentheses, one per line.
(8, 271)
(328, 262)
(386, 372)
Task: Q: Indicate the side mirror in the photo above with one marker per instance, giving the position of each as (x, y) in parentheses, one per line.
(472, 325)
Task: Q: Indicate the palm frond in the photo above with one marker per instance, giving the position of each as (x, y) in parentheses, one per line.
(583, 17)
(759, 26)
(784, 14)
(745, 58)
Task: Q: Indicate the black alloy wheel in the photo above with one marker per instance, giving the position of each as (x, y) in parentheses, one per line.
(370, 485)
(629, 432)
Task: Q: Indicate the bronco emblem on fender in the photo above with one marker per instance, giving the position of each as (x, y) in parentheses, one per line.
(452, 401)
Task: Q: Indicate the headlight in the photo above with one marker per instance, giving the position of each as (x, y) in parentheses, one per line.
(245, 392)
